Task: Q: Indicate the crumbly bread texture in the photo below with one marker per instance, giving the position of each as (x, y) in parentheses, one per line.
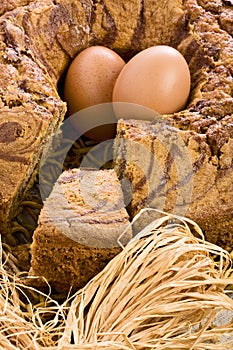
(79, 227)
(183, 163)
(174, 170)
(38, 40)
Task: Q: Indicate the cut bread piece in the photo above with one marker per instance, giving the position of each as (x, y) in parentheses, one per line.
(79, 228)
(40, 38)
(37, 43)
(175, 171)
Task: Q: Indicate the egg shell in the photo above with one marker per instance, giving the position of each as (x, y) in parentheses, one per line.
(157, 78)
(90, 81)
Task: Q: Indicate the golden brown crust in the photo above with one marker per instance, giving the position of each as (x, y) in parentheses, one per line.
(9, 5)
(75, 239)
(208, 49)
(64, 263)
(205, 125)
(39, 38)
(174, 171)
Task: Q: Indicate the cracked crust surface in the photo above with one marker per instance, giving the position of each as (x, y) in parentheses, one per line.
(205, 128)
(39, 39)
(75, 240)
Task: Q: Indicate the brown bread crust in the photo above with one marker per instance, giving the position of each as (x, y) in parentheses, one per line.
(205, 127)
(39, 39)
(77, 238)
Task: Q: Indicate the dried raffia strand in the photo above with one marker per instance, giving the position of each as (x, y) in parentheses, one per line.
(83, 150)
(19, 228)
(9, 239)
(154, 294)
(6, 248)
(25, 330)
(11, 261)
(33, 216)
(32, 204)
(163, 292)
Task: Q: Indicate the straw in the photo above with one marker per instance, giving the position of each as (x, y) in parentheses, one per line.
(163, 291)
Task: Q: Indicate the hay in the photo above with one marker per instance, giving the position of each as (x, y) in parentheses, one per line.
(163, 291)
(24, 325)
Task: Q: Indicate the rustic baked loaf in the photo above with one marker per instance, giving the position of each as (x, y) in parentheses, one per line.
(38, 41)
(79, 227)
(182, 163)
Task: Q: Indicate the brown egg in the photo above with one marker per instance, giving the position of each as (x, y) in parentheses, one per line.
(89, 81)
(157, 78)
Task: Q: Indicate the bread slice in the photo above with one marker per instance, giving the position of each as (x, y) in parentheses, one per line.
(38, 40)
(79, 228)
(175, 171)
(199, 185)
